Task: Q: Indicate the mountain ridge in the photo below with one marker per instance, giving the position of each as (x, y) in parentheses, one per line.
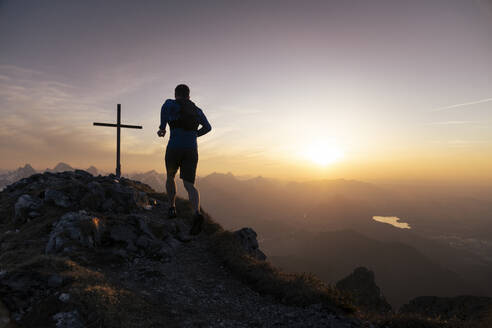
(96, 245)
(75, 249)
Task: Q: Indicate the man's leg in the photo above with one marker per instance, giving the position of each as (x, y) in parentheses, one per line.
(171, 190)
(193, 195)
(188, 174)
(172, 165)
(195, 203)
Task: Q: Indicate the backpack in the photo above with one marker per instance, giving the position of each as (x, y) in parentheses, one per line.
(188, 119)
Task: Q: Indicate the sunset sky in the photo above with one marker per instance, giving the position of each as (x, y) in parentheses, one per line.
(387, 89)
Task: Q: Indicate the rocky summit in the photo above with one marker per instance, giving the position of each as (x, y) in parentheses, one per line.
(83, 251)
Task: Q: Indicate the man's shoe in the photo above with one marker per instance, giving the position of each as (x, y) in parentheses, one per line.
(197, 224)
(171, 213)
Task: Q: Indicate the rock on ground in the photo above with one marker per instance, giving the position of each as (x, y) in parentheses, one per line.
(247, 238)
(362, 286)
(26, 207)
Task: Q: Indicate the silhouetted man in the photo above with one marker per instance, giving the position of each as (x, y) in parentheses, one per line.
(184, 118)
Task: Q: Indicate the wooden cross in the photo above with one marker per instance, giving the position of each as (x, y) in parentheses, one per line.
(118, 127)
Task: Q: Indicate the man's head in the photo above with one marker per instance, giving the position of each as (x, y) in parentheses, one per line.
(182, 92)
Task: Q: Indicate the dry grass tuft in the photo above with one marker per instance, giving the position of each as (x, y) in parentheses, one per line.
(417, 321)
(294, 289)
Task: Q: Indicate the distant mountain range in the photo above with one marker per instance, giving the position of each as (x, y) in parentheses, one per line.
(8, 177)
(152, 178)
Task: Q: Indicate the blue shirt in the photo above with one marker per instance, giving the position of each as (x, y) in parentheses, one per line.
(181, 138)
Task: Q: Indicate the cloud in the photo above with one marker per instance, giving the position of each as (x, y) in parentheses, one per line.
(45, 121)
(454, 123)
(461, 143)
(476, 102)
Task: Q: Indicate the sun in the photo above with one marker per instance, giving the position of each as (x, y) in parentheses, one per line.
(323, 153)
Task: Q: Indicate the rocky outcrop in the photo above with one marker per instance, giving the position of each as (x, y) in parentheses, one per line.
(77, 216)
(465, 307)
(75, 230)
(90, 220)
(75, 191)
(68, 320)
(247, 239)
(361, 285)
(27, 170)
(57, 197)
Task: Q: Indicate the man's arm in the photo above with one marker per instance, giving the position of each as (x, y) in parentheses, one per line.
(206, 127)
(164, 118)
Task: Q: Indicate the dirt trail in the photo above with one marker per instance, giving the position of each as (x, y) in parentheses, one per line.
(196, 290)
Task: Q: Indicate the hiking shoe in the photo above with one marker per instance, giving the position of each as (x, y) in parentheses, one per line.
(197, 224)
(171, 213)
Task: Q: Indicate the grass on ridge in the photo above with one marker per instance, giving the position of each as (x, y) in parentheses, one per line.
(288, 288)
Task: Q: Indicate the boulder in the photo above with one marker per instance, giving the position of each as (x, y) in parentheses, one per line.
(126, 235)
(64, 297)
(68, 320)
(57, 197)
(96, 189)
(73, 230)
(361, 285)
(123, 199)
(247, 239)
(26, 207)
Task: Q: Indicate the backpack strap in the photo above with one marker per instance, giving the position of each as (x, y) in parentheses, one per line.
(188, 118)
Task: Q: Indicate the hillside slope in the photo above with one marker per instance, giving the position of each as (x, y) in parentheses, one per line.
(84, 251)
(402, 271)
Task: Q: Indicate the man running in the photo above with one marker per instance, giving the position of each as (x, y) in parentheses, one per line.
(183, 117)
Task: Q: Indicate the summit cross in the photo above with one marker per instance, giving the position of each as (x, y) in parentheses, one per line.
(118, 127)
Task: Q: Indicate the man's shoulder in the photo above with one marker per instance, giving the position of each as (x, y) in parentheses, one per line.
(169, 102)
